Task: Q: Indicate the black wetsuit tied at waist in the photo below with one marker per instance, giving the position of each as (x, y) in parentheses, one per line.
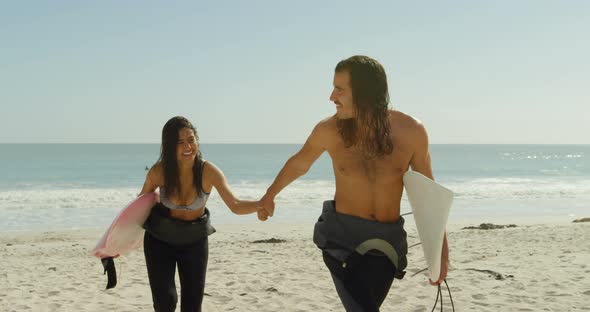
(346, 237)
(175, 231)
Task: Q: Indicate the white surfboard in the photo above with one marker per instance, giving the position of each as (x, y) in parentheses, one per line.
(430, 204)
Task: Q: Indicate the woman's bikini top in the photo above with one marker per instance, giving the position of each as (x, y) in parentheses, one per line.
(197, 204)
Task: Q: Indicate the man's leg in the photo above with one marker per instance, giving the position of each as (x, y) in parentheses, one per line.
(379, 273)
(362, 286)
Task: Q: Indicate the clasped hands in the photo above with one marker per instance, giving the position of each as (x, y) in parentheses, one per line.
(267, 207)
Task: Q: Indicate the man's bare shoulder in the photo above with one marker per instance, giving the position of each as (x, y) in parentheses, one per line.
(324, 132)
(326, 123)
(404, 120)
(326, 126)
(408, 128)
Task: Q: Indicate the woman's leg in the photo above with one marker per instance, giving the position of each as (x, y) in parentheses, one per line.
(192, 268)
(161, 266)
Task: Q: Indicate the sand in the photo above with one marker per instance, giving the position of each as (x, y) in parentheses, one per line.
(541, 267)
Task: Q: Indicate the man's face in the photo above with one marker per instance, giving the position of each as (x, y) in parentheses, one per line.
(342, 95)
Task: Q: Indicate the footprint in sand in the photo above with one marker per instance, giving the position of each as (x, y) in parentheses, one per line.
(478, 296)
(483, 304)
(555, 294)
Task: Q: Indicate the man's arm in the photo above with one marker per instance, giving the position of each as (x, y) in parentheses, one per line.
(295, 167)
(421, 163)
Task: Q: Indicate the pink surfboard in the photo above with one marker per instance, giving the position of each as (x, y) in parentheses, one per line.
(126, 232)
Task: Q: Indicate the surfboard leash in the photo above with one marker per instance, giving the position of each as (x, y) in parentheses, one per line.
(109, 268)
(439, 294)
(439, 290)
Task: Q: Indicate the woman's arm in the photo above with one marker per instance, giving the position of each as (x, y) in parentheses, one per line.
(152, 180)
(235, 204)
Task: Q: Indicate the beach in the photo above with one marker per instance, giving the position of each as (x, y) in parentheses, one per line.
(285, 101)
(531, 267)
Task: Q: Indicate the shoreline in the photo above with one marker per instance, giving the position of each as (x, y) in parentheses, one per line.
(453, 223)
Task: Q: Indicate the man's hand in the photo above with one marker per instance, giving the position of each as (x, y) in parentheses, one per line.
(444, 266)
(268, 204)
(262, 215)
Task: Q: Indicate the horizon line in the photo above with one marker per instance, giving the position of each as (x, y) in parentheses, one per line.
(267, 143)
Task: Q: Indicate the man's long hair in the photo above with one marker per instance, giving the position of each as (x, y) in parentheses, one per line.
(369, 130)
(169, 160)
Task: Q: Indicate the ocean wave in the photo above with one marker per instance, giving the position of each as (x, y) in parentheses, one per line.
(520, 188)
(300, 201)
(66, 198)
(302, 192)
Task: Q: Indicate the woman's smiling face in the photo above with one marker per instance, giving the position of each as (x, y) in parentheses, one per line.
(187, 146)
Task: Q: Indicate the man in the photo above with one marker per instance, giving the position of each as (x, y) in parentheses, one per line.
(371, 147)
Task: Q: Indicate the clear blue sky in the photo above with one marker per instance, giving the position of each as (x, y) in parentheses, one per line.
(261, 71)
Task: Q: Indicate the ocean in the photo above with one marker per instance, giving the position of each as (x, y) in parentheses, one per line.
(62, 186)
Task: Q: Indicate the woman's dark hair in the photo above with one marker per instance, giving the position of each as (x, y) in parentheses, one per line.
(168, 156)
(370, 129)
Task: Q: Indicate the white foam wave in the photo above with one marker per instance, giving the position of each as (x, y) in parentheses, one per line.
(540, 155)
(80, 207)
(521, 188)
(300, 201)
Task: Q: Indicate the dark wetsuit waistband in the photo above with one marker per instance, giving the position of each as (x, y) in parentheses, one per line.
(342, 235)
(176, 231)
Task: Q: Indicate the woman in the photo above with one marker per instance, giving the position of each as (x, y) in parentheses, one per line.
(178, 226)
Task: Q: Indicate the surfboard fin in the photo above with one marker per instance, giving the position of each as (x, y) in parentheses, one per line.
(109, 268)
